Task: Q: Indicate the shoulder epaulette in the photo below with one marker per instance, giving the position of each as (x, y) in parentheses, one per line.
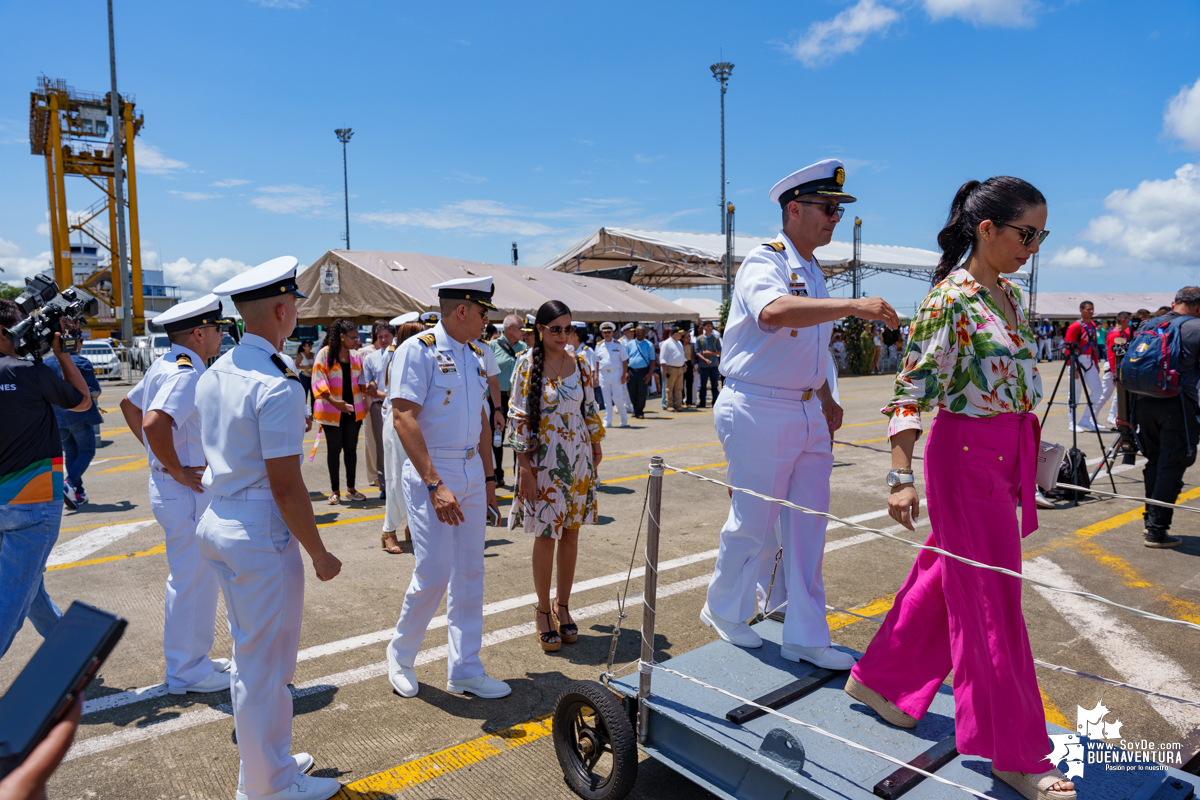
(283, 367)
(427, 339)
(475, 348)
(183, 360)
(391, 348)
(776, 246)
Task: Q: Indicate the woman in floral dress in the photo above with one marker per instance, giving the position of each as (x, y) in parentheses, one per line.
(553, 394)
(970, 357)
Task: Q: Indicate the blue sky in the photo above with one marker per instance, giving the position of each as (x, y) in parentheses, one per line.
(480, 123)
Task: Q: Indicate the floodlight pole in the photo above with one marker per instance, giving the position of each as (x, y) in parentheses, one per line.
(121, 272)
(721, 72)
(1032, 290)
(344, 135)
(855, 267)
(514, 254)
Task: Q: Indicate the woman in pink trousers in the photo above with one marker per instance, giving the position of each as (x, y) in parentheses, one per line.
(970, 356)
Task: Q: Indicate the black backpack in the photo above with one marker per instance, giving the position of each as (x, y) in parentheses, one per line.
(1074, 471)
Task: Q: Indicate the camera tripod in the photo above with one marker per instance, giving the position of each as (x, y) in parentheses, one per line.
(1071, 351)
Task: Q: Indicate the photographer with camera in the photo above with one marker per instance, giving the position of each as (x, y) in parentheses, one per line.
(77, 429)
(31, 456)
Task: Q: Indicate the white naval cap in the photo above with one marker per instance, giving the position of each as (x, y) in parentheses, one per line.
(628, 326)
(204, 310)
(823, 178)
(530, 322)
(579, 324)
(608, 326)
(430, 318)
(407, 316)
(269, 279)
(477, 290)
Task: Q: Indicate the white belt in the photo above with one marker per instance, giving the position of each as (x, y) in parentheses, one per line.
(769, 391)
(450, 452)
(252, 494)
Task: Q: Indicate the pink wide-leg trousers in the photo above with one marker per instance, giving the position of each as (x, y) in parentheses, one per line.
(950, 615)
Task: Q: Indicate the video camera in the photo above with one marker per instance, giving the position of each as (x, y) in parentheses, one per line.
(45, 307)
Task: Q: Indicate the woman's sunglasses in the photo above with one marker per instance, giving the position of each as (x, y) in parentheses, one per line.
(1027, 234)
(556, 329)
(831, 209)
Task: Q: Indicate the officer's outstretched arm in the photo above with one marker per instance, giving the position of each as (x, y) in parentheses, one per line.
(805, 312)
(291, 495)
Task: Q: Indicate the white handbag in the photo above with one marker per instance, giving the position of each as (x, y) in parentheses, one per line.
(1050, 459)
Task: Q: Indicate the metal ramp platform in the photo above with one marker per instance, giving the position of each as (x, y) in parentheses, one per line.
(688, 731)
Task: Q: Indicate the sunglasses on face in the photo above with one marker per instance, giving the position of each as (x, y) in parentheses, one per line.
(831, 209)
(1027, 234)
(556, 329)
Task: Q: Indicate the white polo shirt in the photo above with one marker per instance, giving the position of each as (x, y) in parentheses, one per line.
(169, 386)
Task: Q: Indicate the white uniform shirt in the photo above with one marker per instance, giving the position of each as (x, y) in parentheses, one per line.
(671, 353)
(610, 355)
(781, 358)
(373, 367)
(448, 380)
(589, 356)
(249, 411)
(493, 366)
(170, 387)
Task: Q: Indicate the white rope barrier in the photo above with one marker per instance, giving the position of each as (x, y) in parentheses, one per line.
(1135, 611)
(811, 727)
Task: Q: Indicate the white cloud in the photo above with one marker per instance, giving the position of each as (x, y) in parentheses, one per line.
(14, 267)
(193, 195)
(1075, 258)
(1182, 117)
(148, 158)
(1001, 13)
(458, 217)
(195, 279)
(641, 159)
(827, 40)
(281, 3)
(463, 177)
(228, 183)
(291, 199)
(1157, 221)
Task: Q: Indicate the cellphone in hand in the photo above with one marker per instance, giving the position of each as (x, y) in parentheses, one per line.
(493, 515)
(58, 672)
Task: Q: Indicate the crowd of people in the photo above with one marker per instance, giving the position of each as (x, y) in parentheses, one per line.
(442, 396)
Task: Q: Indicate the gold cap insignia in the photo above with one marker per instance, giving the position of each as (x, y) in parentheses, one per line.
(839, 176)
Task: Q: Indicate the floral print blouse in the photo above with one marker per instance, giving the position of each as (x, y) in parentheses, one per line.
(963, 356)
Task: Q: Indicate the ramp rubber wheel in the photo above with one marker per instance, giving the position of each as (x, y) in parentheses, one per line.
(594, 742)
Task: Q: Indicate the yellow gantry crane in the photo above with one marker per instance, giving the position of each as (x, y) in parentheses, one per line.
(72, 130)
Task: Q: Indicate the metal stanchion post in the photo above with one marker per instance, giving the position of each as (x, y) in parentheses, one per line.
(649, 592)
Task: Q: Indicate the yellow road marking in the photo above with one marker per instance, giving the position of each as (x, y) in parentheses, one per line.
(120, 522)
(838, 620)
(664, 450)
(158, 549)
(132, 466)
(1053, 713)
(1128, 574)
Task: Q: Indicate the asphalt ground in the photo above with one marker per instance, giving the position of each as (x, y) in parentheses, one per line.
(151, 745)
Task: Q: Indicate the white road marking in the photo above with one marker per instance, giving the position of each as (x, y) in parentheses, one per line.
(85, 544)
(110, 741)
(1125, 650)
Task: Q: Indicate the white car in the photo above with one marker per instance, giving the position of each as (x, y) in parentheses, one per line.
(104, 360)
(159, 344)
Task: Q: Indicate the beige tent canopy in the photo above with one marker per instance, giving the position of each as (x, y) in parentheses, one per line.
(678, 260)
(365, 285)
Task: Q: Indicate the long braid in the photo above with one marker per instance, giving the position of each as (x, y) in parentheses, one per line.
(537, 361)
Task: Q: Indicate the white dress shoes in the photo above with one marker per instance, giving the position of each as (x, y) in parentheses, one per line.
(305, 788)
(738, 633)
(825, 657)
(480, 686)
(215, 682)
(221, 664)
(304, 762)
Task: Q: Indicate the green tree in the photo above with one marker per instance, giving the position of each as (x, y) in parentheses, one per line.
(10, 292)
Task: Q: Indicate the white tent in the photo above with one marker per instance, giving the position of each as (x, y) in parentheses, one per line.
(676, 260)
(708, 308)
(1065, 305)
(364, 285)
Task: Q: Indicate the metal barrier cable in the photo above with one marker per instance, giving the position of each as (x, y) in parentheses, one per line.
(1135, 611)
(813, 728)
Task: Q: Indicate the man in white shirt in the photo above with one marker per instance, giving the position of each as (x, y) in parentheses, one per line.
(613, 363)
(673, 361)
(373, 371)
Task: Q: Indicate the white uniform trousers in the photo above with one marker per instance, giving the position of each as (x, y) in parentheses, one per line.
(191, 606)
(394, 514)
(790, 458)
(1087, 416)
(1107, 386)
(627, 404)
(1044, 350)
(261, 574)
(447, 557)
(614, 395)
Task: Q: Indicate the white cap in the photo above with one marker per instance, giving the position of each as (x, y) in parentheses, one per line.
(628, 326)
(477, 290)
(270, 279)
(823, 178)
(608, 326)
(407, 316)
(202, 311)
(431, 317)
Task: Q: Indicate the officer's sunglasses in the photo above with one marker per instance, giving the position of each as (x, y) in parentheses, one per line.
(556, 329)
(831, 209)
(1027, 234)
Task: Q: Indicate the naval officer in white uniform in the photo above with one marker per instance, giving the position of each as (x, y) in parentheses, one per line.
(252, 423)
(438, 385)
(778, 403)
(613, 363)
(394, 514)
(161, 412)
